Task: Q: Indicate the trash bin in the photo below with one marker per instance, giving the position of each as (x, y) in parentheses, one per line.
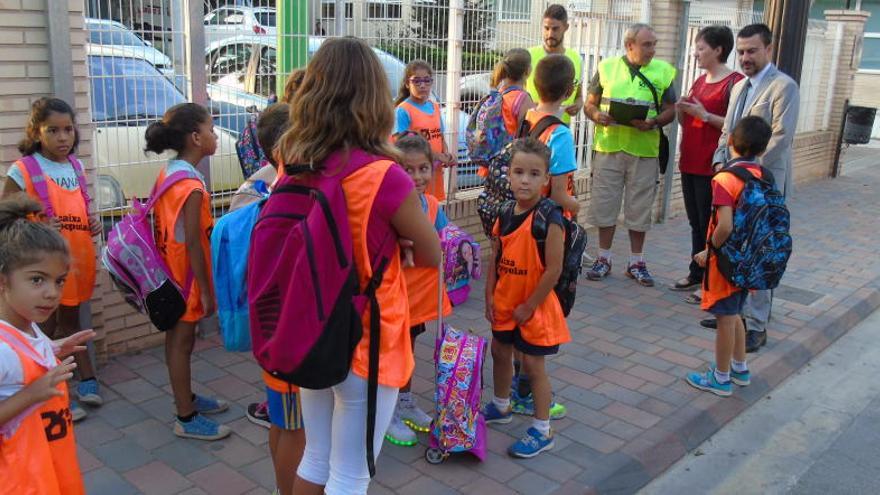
(859, 124)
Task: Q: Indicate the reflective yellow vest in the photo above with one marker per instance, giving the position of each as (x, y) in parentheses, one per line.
(619, 84)
(537, 53)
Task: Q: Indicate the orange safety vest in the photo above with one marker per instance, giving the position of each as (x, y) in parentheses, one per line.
(430, 128)
(40, 457)
(511, 103)
(168, 208)
(533, 117)
(422, 282)
(396, 362)
(519, 269)
(73, 213)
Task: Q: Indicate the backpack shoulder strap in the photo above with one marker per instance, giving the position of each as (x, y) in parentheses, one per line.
(545, 123)
(167, 184)
(81, 178)
(38, 180)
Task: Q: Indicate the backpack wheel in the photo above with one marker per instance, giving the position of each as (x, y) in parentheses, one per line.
(435, 456)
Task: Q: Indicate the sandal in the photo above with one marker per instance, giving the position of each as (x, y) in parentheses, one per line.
(685, 284)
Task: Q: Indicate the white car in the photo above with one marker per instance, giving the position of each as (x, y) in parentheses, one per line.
(111, 38)
(230, 21)
(127, 95)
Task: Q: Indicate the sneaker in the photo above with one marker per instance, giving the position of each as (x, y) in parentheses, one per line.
(77, 413)
(743, 379)
(87, 393)
(639, 272)
(600, 269)
(532, 444)
(413, 416)
(399, 433)
(707, 383)
(258, 414)
(207, 405)
(201, 428)
(493, 415)
(526, 407)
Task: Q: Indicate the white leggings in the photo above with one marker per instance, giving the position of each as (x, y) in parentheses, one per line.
(336, 427)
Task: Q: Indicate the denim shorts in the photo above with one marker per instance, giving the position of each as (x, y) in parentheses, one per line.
(731, 305)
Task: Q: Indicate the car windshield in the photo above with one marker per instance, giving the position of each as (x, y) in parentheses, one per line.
(266, 18)
(129, 89)
(103, 34)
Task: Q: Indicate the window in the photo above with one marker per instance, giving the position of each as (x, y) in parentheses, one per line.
(383, 10)
(265, 18)
(328, 10)
(229, 65)
(514, 10)
(103, 34)
(871, 46)
(128, 89)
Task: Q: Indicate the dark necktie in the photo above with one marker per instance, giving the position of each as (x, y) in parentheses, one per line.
(741, 102)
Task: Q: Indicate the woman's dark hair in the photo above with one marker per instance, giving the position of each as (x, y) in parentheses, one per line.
(514, 66)
(410, 142)
(751, 136)
(531, 146)
(411, 68)
(171, 132)
(716, 36)
(271, 124)
(40, 111)
(23, 236)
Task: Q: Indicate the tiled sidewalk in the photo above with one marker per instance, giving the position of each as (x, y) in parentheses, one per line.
(630, 414)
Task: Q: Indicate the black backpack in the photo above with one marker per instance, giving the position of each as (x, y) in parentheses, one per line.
(575, 244)
(496, 190)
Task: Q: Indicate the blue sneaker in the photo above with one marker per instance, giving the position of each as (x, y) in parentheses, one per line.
(87, 392)
(201, 428)
(708, 383)
(77, 413)
(742, 379)
(493, 415)
(526, 406)
(207, 405)
(532, 444)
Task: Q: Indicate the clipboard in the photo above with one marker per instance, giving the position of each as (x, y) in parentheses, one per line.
(624, 113)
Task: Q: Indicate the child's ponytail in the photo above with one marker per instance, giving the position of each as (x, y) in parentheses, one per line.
(23, 235)
(515, 66)
(179, 121)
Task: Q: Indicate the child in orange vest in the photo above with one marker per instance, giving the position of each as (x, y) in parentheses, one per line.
(37, 444)
(720, 297)
(520, 302)
(50, 173)
(182, 227)
(418, 113)
(421, 288)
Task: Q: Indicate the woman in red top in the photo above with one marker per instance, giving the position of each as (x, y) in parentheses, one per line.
(701, 114)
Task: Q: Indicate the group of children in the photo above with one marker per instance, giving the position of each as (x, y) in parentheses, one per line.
(47, 266)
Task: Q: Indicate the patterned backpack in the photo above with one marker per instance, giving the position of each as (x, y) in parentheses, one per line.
(756, 254)
(461, 254)
(251, 156)
(486, 134)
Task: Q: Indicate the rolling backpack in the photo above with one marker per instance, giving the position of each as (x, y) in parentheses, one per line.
(497, 188)
(486, 135)
(251, 156)
(230, 244)
(136, 266)
(756, 254)
(575, 243)
(461, 255)
(304, 295)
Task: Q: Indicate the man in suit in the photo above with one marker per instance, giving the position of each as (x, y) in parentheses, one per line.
(772, 95)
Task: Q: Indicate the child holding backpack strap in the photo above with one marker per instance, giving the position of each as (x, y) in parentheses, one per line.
(521, 304)
(37, 444)
(182, 227)
(421, 288)
(720, 297)
(50, 173)
(329, 147)
(418, 113)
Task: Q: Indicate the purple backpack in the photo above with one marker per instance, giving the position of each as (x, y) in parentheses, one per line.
(32, 166)
(138, 269)
(304, 296)
(462, 262)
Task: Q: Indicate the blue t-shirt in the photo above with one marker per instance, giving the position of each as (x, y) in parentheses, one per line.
(562, 157)
(441, 221)
(62, 173)
(402, 121)
(177, 165)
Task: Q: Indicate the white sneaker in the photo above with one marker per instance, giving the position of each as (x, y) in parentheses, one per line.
(399, 433)
(413, 416)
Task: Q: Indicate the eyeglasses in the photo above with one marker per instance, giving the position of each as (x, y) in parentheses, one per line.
(421, 81)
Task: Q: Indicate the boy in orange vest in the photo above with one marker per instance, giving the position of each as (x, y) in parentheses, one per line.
(721, 298)
(520, 302)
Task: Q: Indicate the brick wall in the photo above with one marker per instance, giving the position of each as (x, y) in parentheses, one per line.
(865, 90)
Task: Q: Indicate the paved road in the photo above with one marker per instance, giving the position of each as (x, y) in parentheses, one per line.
(816, 434)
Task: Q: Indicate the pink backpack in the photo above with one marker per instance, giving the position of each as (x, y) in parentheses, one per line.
(32, 166)
(304, 295)
(138, 269)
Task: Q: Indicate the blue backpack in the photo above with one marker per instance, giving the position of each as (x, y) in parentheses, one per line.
(486, 134)
(755, 255)
(230, 245)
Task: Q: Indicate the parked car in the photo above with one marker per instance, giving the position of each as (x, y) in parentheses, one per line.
(111, 38)
(128, 94)
(242, 72)
(237, 20)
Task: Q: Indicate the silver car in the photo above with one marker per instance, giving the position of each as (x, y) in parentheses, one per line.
(231, 21)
